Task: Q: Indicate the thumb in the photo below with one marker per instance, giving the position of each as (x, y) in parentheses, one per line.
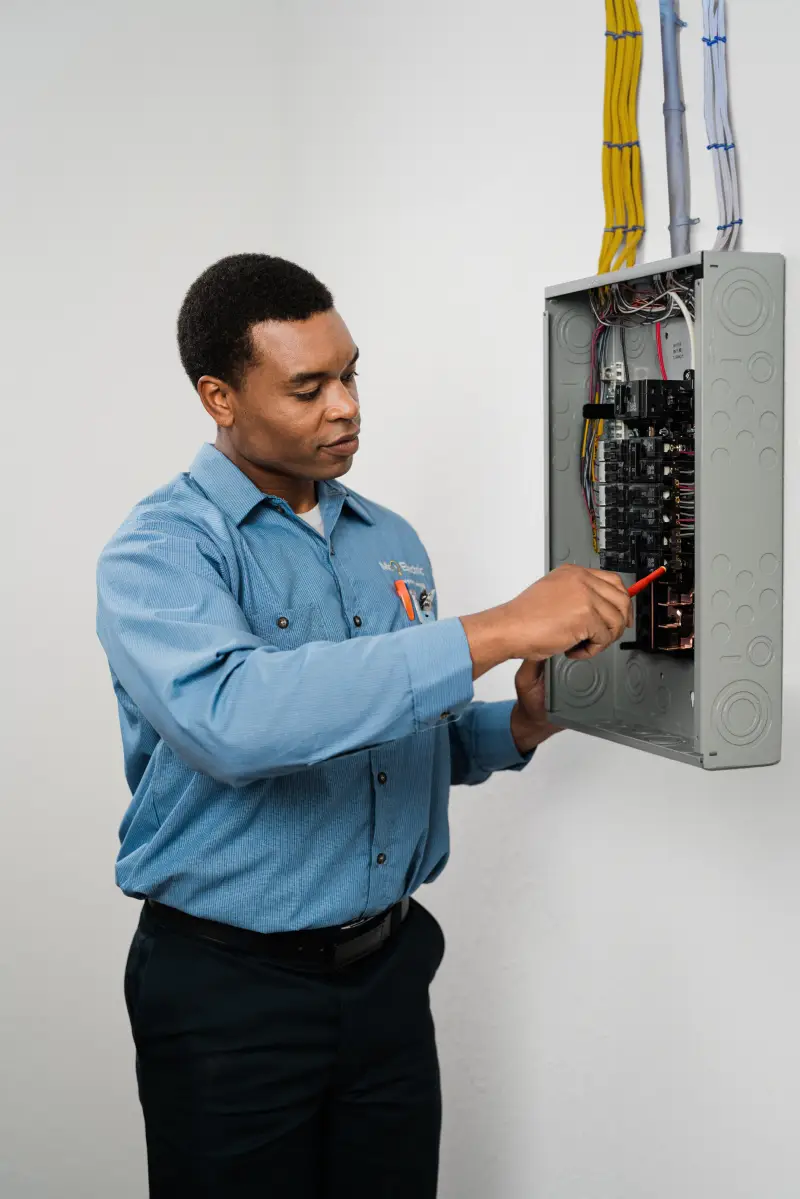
(529, 674)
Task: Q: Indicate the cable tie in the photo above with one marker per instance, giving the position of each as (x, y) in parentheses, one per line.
(620, 145)
(625, 229)
(729, 225)
(721, 146)
(690, 220)
(712, 41)
(623, 33)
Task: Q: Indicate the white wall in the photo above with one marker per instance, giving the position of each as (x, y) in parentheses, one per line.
(138, 145)
(617, 1011)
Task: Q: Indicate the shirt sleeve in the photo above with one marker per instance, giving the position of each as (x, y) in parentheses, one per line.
(481, 743)
(239, 709)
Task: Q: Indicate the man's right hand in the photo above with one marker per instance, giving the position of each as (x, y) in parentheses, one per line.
(572, 610)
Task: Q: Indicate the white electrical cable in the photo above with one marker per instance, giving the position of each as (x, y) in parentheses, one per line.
(687, 316)
(728, 157)
(711, 114)
(718, 125)
(726, 239)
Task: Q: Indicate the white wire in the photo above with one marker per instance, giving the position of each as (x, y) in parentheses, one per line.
(718, 125)
(728, 157)
(720, 104)
(712, 133)
(687, 316)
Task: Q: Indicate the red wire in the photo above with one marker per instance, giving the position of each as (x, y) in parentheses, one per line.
(660, 350)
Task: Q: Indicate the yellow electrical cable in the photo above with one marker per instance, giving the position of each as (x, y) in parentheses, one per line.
(611, 44)
(636, 155)
(621, 162)
(624, 154)
(617, 197)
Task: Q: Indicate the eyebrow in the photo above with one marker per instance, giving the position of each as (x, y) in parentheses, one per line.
(312, 376)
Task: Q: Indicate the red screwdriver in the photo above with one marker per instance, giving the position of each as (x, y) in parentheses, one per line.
(640, 584)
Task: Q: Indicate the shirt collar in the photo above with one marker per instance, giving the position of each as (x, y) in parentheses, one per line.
(237, 496)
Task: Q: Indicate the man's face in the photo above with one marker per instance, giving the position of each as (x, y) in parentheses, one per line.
(297, 412)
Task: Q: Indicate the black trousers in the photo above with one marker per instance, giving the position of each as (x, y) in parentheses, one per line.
(260, 1080)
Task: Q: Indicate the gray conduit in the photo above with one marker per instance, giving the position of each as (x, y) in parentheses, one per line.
(677, 176)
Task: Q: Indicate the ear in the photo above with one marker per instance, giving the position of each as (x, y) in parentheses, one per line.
(218, 400)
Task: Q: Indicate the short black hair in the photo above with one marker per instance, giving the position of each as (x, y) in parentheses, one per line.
(232, 295)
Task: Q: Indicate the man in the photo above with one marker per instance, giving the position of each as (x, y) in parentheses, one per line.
(293, 715)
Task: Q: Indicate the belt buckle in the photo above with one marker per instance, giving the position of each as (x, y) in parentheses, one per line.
(361, 947)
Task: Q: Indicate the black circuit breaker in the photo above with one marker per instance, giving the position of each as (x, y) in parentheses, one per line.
(646, 502)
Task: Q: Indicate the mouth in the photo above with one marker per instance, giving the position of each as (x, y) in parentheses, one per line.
(344, 446)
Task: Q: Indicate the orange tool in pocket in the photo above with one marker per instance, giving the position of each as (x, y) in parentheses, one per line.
(402, 590)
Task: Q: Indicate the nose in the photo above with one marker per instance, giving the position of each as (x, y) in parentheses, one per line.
(344, 406)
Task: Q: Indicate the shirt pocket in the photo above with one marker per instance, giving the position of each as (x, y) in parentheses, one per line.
(423, 616)
(290, 627)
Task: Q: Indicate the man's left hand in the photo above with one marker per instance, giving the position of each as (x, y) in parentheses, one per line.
(529, 723)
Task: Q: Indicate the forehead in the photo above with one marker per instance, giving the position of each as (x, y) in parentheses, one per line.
(320, 344)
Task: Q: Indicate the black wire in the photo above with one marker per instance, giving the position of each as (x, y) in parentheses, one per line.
(624, 353)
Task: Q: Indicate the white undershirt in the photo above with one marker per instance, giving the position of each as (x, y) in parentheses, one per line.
(314, 518)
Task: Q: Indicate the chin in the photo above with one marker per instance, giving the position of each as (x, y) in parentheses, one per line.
(336, 469)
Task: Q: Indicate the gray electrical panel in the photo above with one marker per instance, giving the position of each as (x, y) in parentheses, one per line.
(715, 700)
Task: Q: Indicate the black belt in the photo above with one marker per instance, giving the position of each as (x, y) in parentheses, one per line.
(311, 949)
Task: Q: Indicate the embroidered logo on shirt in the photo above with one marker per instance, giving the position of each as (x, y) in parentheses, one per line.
(403, 568)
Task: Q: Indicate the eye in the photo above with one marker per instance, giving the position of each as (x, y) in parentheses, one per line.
(348, 378)
(308, 395)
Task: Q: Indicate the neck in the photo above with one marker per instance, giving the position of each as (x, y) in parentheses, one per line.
(300, 494)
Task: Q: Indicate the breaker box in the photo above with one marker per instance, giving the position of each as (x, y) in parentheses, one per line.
(664, 414)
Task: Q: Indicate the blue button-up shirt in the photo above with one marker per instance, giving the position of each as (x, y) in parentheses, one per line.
(290, 736)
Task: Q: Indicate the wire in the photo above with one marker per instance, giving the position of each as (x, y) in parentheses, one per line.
(635, 305)
(718, 125)
(626, 305)
(624, 348)
(622, 157)
(621, 161)
(611, 44)
(635, 159)
(660, 349)
(687, 316)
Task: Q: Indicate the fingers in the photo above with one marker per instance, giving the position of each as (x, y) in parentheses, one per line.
(529, 673)
(610, 577)
(607, 579)
(602, 608)
(605, 624)
(616, 595)
(613, 615)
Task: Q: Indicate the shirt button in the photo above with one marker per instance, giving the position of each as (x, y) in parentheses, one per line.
(282, 622)
(381, 858)
(357, 621)
(382, 777)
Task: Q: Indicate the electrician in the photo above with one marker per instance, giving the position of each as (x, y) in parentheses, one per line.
(293, 714)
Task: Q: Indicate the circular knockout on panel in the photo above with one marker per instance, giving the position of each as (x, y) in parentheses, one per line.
(761, 366)
(744, 302)
(742, 713)
(760, 651)
(574, 335)
(581, 682)
(635, 342)
(635, 680)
